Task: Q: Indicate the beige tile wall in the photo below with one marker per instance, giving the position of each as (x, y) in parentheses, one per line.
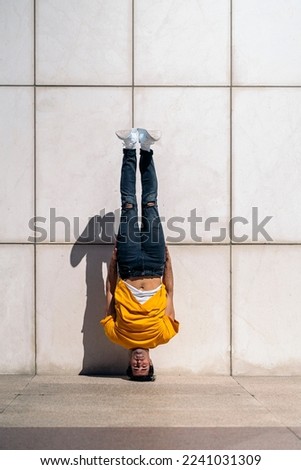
(221, 79)
(17, 333)
(16, 42)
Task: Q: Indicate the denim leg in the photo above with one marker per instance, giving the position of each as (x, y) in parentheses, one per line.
(152, 236)
(128, 177)
(149, 180)
(128, 243)
(128, 238)
(152, 240)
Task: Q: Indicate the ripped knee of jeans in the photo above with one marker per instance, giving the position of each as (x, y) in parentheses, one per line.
(151, 204)
(127, 205)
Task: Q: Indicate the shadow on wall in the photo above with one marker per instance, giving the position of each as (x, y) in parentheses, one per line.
(101, 357)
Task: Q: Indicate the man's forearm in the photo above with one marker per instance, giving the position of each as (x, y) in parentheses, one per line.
(168, 277)
(111, 285)
(112, 276)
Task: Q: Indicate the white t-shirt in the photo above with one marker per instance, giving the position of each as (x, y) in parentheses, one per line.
(142, 295)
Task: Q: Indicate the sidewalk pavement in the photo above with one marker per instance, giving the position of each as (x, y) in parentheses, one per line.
(174, 412)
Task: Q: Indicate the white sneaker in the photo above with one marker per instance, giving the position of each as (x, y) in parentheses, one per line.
(148, 138)
(129, 138)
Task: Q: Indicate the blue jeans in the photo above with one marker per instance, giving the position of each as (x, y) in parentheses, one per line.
(140, 251)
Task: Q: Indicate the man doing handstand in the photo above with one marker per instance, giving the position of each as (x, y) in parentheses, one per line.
(140, 313)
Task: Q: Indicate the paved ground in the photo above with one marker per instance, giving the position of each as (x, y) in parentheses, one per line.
(186, 412)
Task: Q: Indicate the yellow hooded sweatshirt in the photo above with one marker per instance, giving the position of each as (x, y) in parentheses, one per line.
(139, 325)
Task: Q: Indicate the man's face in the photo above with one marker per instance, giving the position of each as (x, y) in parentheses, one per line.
(140, 362)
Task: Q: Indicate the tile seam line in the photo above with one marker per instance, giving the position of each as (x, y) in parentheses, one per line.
(3, 85)
(133, 62)
(231, 198)
(170, 244)
(35, 182)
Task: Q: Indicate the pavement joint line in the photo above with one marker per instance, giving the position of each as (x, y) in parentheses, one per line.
(292, 431)
(278, 419)
(5, 408)
(16, 395)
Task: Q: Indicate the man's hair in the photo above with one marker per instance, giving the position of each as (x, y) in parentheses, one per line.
(150, 377)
